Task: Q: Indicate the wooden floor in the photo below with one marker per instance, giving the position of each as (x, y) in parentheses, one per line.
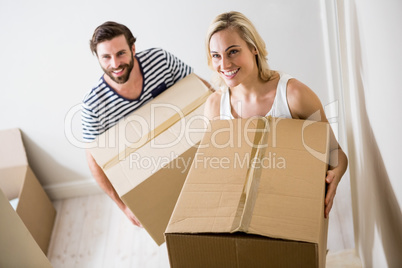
(91, 232)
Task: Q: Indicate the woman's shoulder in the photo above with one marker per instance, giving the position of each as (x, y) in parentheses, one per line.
(303, 102)
(298, 91)
(294, 86)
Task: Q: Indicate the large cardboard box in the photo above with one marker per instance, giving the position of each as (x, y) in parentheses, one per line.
(147, 155)
(25, 232)
(254, 197)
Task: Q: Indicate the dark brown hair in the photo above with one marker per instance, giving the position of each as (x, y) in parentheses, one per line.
(109, 30)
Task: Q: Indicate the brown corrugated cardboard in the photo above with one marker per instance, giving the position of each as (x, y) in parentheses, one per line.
(26, 231)
(18, 247)
(147, 155)
(254, 196)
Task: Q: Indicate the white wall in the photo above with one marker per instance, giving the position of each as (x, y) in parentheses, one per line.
(371, 43)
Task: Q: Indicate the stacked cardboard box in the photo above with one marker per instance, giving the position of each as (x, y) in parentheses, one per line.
(254, 197)
(147, 155)
(25, 232)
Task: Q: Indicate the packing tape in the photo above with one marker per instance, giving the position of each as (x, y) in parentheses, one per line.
(158, 130)
(248, 198)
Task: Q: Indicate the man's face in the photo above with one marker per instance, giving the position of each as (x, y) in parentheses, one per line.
(116, 59)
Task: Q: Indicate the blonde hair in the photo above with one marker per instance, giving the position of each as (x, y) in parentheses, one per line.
(237, 21)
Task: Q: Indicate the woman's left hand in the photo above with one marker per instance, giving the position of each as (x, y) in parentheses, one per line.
(332, 183)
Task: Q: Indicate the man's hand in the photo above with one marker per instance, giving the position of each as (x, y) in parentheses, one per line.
(332, 183)
(108, 188)
(131, 216)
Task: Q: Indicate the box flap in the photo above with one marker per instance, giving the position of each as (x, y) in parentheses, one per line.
(36, 210)
(259, 176)
(159, 194)
(210, 197)
(11, 141)
(17, 248)
(13, 162)
(148, 121)
(149, 159)
(290, 191)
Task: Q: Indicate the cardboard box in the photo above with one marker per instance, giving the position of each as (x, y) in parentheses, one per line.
(25, 232)
(147, 155)
(254, 197)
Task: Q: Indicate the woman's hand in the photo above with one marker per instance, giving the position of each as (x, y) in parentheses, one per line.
(332, 183)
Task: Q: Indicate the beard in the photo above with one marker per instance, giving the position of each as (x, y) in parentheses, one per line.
(127, 69)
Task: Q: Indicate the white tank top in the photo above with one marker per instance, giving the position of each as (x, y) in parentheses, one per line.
(280, 107)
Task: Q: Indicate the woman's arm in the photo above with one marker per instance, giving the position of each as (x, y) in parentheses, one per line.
(304, 104)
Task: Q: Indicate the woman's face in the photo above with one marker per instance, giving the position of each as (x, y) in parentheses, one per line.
(232, 58)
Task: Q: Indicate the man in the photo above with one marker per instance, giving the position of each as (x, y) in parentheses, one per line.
(130, 79)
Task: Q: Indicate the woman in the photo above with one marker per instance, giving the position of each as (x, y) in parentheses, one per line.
(237, 53)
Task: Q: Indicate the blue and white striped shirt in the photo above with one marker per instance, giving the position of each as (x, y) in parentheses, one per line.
(102, 107)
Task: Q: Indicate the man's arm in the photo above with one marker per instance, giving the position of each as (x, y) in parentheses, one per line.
(108, 188)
